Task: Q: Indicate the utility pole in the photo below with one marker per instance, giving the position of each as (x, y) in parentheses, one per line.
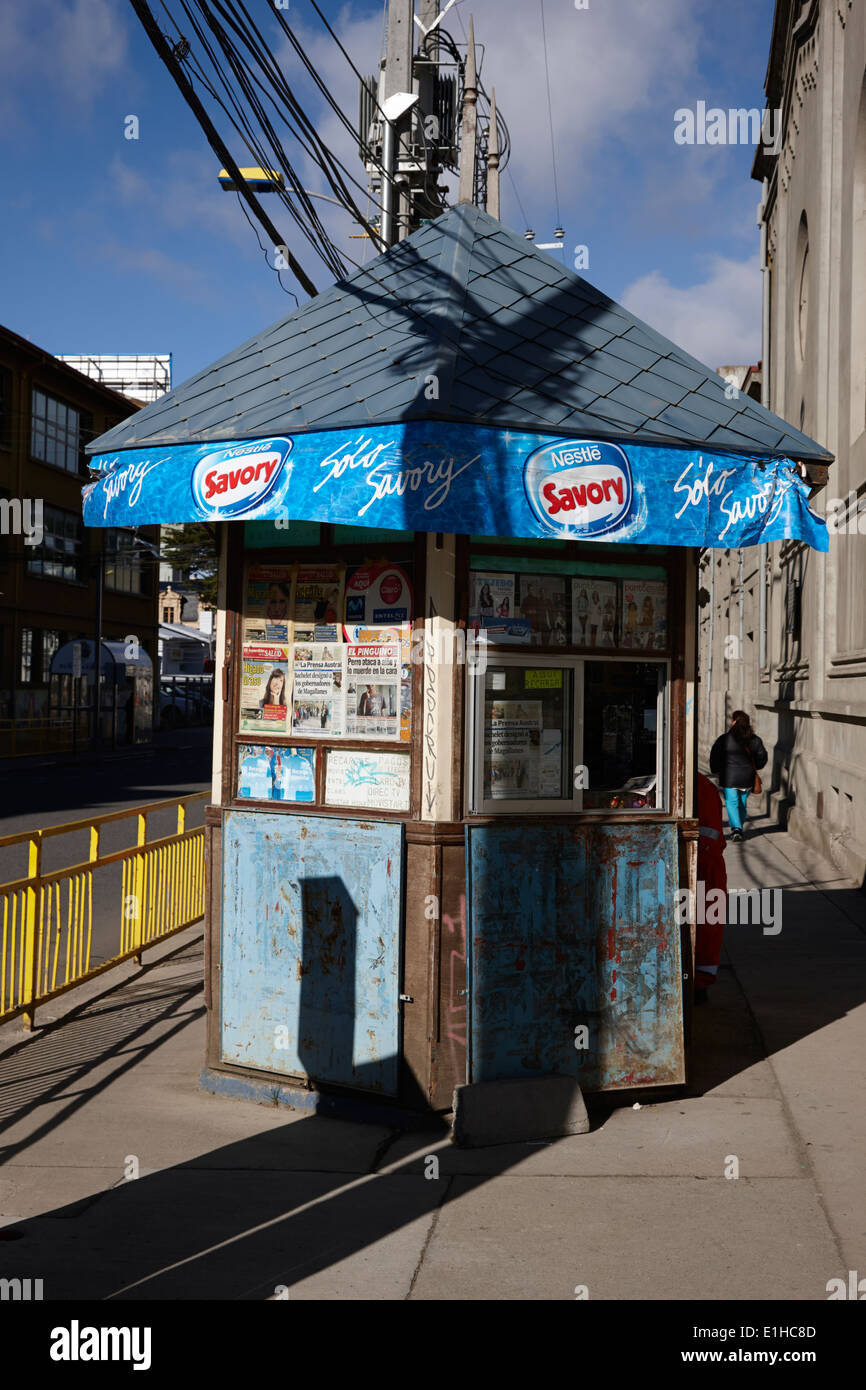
(469, 123)
(416, 118)
(398, 79)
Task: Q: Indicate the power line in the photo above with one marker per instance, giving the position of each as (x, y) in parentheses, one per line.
(311, 227)
(550, 115)
(220, 150)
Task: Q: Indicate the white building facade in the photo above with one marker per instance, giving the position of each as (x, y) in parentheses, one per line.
(783, 629)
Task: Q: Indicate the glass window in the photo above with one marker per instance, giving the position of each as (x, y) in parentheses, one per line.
(5, 408)
(566, 734)
(25, 674)
(55, 432)
(527, 743)
(61, 554)
(51, 642)
(123, 563)
(621, 734)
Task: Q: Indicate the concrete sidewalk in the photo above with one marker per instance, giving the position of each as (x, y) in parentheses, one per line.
(236, 1200)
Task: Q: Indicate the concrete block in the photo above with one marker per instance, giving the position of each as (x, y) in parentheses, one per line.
(505, 1112)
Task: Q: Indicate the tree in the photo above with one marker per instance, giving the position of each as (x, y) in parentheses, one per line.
(193, 549)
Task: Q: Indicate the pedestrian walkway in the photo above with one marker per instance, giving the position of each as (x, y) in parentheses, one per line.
(242, 1201)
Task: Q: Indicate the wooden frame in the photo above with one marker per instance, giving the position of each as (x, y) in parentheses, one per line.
(239, 557)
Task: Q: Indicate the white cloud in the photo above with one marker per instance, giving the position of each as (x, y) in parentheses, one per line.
(186, 280)
(66, 45)
(186, 195)
(718, 321)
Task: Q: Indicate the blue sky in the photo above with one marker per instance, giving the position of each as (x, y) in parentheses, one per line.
(114, 245)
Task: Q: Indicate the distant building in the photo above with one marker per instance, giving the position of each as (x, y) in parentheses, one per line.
(180, 606)
(144, 377)
(49, 589)
(746, 379)
(783, 631)
(185, 651)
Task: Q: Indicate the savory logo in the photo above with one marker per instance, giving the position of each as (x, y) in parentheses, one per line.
(578, 487)
(236, 480)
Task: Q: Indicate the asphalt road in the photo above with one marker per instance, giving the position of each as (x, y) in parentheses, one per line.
(42, 794)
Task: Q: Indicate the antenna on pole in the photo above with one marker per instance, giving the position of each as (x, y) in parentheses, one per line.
(493, 160)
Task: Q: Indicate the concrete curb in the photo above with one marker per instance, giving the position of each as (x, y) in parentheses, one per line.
(517, 1111)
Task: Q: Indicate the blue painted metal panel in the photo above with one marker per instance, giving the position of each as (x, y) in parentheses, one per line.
(310, 960)
(574, 927)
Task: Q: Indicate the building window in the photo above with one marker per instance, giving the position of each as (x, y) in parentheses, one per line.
(168, 615)
(123, 564)
(25, 671)
(51, 642)
(5, 409)
(858, 277)
(61, 554)
(55, 432)
(793, 618)
(802, 313)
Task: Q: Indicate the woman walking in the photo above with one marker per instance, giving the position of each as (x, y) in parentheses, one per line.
(735, 758)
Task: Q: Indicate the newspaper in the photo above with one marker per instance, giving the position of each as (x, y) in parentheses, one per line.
(318, 689)
(264, 688)
(374, 697)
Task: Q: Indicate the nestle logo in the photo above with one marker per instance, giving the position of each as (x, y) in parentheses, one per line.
(236, 480)
(579, 487)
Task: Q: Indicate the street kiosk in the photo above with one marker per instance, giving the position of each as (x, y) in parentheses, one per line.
(460, 498)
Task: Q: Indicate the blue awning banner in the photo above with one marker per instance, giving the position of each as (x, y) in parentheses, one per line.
(465, 479)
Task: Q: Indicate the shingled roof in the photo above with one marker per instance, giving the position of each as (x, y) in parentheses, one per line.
(512, 338)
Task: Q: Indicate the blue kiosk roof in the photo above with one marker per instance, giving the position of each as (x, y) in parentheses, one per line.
(514, 340)
(463, 381)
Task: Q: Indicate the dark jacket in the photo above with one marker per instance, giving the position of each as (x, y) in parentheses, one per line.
(730, 761)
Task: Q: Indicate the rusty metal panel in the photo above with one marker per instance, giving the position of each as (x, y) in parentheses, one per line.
(311, 947)
(574, 928)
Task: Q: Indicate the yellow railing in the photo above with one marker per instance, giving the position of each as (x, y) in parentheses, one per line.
(22, 738)
(46, 919)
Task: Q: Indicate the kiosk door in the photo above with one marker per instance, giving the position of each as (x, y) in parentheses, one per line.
(310, 953)
(575, 954)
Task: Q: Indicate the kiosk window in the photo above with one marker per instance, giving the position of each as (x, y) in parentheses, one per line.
(621, 734)
(567, 735)
(527, 735)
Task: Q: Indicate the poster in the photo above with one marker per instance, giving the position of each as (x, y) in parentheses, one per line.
(644, 620)
(318, 602)
(255, 773)
(319, 689)
(493, 609)
(380, 781)
(268, 603)
(593, 612)
(512, 748)
(374, 686)
(542, 603)
(551, 764)
(378, 596)
(277, 774)
(264, 688)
